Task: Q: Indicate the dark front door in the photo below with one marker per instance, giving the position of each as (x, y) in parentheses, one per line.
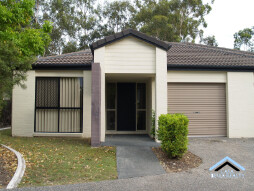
(126, 107)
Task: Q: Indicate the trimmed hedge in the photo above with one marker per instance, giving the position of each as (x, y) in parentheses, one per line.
(172, 132)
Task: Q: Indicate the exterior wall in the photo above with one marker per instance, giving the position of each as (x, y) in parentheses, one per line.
(23, 101)
(87, 104)
(99, 56)
(150, 94)
(160, 84)
(59, 73)
(23, 104)
(193, 76)
(129, 55)
(240, 102)
(153, 93)
(148, 105)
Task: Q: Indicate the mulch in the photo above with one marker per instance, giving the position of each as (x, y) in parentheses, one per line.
(188, 161)
(8, 165)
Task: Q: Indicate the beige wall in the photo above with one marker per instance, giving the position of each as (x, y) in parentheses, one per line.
(23, 101)
(129, 55)
(59, 73)
(240, 104)
(87, 103)
(160, 84)
(197, 76)
(99, 56)
(150, 102)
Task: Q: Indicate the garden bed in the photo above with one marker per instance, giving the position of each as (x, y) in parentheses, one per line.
(8, 166)
(188, 161)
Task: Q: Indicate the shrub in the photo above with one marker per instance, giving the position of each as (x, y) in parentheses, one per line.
(172, 132)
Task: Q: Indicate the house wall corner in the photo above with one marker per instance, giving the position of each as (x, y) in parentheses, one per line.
(240, 104)
(23, 104)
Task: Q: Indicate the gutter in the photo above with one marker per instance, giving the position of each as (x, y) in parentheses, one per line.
(210, 68)
(61, 66)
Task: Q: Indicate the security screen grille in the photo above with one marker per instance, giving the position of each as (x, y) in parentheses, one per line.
(59, 105)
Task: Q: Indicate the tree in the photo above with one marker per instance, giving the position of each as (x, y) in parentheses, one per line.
(171, 20)
(117, 16)
(73, 20)
(244, 39)
(210, 40)
(20, 43)
(63, 16)
(70, 47)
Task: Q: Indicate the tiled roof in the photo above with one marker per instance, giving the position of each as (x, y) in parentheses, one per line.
(181, 56)
(129, 32)
(79, 59)
(188, 55)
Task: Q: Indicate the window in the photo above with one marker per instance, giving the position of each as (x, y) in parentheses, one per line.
(59, 105)
(141, 106)
(111, 106)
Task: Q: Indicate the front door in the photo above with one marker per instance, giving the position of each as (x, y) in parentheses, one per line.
(126, 106)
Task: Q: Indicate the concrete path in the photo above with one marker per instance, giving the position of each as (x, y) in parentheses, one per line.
(135, 157)
(137, 161)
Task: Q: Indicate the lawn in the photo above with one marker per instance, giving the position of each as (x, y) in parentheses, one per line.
(55, 161)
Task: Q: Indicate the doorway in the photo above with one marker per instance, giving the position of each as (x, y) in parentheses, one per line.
(126, 107)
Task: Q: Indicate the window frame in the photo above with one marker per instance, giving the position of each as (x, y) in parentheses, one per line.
(58, 108)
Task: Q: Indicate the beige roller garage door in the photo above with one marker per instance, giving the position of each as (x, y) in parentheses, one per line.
(203, 103)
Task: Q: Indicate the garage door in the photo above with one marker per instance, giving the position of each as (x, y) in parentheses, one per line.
(203, 103)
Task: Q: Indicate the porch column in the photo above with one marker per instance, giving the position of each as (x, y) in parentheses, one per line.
(99, 57)
(96, 105)
(160, 85)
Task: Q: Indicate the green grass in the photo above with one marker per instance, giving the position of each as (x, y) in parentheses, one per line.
(55, 161)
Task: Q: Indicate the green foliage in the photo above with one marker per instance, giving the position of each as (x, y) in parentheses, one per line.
(118, 14)
(171, 20)
(172, 132)
(20, 43)
(73, 20)
(152, 132)
(70, 47)
(244, 39)
(85, 21)
(210, 40)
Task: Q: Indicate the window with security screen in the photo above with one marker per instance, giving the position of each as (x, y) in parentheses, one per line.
(59, 105)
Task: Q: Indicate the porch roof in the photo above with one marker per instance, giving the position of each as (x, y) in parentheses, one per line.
(130, 32)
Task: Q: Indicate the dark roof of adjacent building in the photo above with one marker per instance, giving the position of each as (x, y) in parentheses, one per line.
(76, 60)
(186, 56)
(180, 56)
(129, 32)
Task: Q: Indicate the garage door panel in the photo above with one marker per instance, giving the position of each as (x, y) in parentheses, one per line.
(196, 101)
(203, 104)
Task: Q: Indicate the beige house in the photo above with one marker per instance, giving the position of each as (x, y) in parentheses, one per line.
(113, 88)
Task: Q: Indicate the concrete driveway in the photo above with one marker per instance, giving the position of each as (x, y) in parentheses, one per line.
(211, 150)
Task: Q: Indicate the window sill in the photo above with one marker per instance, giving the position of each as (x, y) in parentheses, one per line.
(58, 134)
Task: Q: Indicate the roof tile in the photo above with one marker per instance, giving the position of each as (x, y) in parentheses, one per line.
(180, 55)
